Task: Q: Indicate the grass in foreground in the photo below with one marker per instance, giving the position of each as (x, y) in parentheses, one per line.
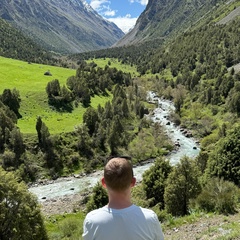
(68, 227)
(195, 226)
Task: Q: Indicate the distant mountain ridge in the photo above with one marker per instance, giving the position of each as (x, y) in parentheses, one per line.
(163, 18)
(66, 26)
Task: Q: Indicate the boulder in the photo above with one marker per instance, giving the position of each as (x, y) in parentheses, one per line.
(47, 73)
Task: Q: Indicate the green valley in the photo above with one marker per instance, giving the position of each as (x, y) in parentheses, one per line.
(30, 81)
(63, 117)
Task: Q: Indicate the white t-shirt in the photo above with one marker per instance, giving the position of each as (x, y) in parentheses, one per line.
(132, 223)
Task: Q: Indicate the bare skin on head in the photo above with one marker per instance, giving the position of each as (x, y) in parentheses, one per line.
(118, 180)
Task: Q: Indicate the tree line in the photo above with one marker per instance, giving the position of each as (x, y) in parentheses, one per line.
(89, 80)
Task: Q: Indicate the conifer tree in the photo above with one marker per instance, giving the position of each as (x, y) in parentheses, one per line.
(181, 186)
(154, 181)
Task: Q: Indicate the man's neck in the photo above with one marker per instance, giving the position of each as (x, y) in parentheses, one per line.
(119, 200)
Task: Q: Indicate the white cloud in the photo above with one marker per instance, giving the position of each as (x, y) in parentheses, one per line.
(103, 8)
(124, 23)
(142, 2)
(97, 4)
(110, 13)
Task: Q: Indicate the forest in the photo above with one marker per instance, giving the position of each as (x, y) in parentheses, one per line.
(197, 71)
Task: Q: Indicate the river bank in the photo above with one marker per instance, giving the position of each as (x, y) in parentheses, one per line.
(62, 195)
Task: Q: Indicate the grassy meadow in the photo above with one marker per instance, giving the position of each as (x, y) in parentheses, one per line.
(30, 81)
(114, 63)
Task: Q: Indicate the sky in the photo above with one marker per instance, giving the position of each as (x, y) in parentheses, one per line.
(124, 13)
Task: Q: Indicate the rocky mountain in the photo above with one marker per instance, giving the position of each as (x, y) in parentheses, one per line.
(165, 18)
(66, 26)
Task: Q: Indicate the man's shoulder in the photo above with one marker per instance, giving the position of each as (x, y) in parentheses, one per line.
(147, 210)
(148, 213)
(96, 211)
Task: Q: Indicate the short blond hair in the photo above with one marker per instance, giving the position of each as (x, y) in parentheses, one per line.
(118, 174)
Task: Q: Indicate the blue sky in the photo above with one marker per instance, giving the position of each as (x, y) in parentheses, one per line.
(123, 13)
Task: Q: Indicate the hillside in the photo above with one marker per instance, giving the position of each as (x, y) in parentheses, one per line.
(65, 26)
(30, 81)
(16, 45)
(165, 19)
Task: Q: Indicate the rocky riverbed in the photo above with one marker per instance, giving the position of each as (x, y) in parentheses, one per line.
(64, 204)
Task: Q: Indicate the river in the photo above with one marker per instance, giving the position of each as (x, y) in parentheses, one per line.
(72, 185)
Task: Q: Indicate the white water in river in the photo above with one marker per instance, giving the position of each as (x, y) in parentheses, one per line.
(73, 185)
(187, 146)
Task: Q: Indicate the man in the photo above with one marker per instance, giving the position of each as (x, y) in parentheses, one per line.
(120, 219)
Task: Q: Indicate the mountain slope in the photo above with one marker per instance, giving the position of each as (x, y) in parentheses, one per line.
(15, 45)
(66, 26)
(164, 18)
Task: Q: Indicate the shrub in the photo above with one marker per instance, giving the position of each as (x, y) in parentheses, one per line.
(20, 216)
(181, 186)
(98, 199)
(154, 181)
(219, 195)
(70, 228)
(224, 161)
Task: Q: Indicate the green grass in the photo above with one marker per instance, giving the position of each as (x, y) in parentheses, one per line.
(30, 81)
(67, 226)
(115, 64)
(70, 226)
(226, 9)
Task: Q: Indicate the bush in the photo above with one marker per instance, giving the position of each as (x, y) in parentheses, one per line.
(20, 216)
(218, 195)
(154, 182)
(70, 229)
(181, 186)
(98, 199)
(65, 227)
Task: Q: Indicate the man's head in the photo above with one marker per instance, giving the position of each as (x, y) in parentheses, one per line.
(118, 174)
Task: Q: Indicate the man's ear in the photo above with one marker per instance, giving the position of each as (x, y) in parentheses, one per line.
(103, 183)
(133, 182)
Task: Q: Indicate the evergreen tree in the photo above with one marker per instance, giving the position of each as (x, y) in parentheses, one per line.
(125, 109)
(43, 134)
(53, 88)
(116, 135)
(224, 161)
(90, 118)
(181, 186)
(6, 125)
(154, 181)
(11, 99)
(84, 144)
(38, 128)
(16, 144)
